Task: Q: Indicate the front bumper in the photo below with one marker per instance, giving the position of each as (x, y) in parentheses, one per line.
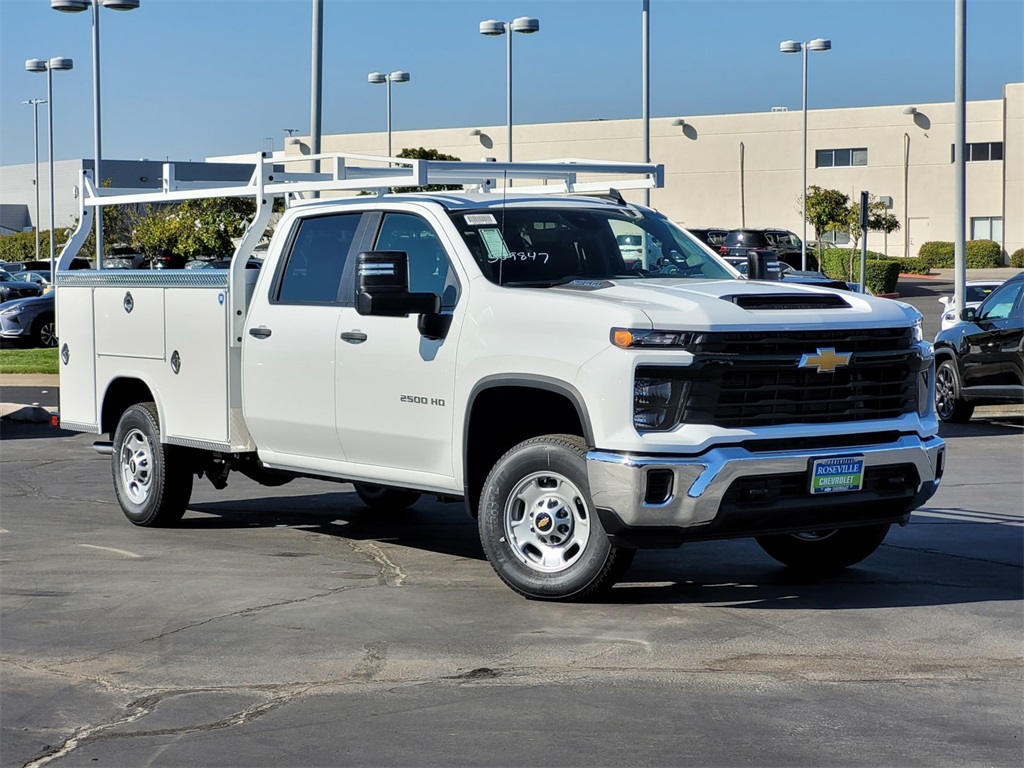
(726, 492)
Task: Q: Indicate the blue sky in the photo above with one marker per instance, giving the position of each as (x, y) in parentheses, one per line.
(187, 79)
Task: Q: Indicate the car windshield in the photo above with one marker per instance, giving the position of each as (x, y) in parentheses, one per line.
(5, 277)
(977, 293)
(556, 245)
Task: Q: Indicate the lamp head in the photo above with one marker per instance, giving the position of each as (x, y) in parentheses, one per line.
(398, 76)
(679, 122)
(526, 25)
(60, 64)
(474, 131)
(119, 5)
(790, 46)
(35, 65)
(375, 78)
(820, 44)
(910, 111)
(492, 28)
(69, 6)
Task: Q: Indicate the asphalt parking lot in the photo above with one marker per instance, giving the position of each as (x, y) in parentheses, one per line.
(293, 627)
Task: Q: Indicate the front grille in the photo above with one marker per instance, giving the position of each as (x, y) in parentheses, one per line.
(880, 482)
(753, 379)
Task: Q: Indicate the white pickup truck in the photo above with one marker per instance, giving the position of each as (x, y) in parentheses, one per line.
(496, 345)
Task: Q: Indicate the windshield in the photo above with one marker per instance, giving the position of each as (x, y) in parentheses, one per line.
(550, 246)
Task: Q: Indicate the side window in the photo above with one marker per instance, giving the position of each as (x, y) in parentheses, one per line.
(428, 261)
(312, 273)
(999, 303)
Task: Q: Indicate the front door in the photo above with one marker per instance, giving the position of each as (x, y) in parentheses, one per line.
(992, 342)
(395, 388)
(289, 347)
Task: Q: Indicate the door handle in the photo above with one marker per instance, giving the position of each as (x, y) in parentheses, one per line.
(259, 333)
(356, 337)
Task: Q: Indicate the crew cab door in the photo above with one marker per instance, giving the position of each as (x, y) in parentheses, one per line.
(290, 342)
(992, 342)
(395, 387)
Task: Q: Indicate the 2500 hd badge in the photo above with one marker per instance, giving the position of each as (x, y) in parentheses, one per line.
(420, 400)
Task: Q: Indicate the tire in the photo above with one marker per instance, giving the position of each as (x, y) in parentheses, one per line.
(381, 497)
(948, 405)
(44, 332)
(544, 481)
(824, 551)
(152, 480)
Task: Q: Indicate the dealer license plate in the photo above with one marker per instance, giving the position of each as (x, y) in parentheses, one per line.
(837, 475)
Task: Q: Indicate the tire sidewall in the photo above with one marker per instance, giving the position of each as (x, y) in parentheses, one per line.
(527, 458)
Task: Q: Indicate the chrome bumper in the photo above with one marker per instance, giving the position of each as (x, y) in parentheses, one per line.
(618, 482)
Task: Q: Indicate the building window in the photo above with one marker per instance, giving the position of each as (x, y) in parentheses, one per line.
(979, 151)
(839, 158)
(834, 238)
(987, 228)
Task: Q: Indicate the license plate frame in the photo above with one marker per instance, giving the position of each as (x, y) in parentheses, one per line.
(844, 474)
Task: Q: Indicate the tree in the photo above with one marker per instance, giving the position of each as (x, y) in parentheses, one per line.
(827, 210)
(879, 220)
(420, 153)
(201, 227)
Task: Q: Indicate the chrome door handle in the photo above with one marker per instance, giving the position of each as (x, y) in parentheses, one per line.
(259, 333)
(356, 337)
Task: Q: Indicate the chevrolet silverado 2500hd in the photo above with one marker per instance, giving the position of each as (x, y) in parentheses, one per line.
(495, 345)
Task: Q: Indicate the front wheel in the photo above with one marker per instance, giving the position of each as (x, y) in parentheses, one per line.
(948, 405)
(826, 550)
(152, 480)
(538, 526)
(44, 332)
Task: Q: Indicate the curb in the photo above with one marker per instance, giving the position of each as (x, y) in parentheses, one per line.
(33, 414)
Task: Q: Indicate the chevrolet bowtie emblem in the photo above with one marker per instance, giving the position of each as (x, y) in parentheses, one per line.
(826, 360)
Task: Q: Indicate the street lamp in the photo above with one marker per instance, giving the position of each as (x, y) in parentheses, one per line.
(34, 103)
(377, 78)
(792, 46)
(60, 64)
(491, 28)
(76, 6)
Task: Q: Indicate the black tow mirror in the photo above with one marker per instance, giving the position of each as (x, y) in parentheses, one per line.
(383, 287)
(763, 265)
(970, 314)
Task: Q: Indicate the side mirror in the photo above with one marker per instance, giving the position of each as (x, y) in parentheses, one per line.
(970, 314)
(383, 287)
(763, 265)
(944, 300)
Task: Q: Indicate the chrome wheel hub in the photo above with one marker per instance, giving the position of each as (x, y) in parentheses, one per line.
(547, 522)
(136, 462)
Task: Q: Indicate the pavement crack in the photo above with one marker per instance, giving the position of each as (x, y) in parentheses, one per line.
(928, 551)
(389, 573)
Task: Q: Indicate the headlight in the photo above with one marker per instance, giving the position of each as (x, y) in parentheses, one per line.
(658, 397)
(918, 330)
(13, 311)
(627, 338)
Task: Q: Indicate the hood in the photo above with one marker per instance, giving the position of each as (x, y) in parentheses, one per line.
(46, 298)
(743, 304)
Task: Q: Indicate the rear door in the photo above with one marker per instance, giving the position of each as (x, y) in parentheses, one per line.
(289, 347)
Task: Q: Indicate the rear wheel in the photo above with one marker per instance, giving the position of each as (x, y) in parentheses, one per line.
(152, 480)
(538, 526)
(948, 405)
(44, 332)
(384, 498)
(826, 550)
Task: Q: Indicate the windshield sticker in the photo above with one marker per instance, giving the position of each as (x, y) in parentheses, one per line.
(496, 248)
(479, 219)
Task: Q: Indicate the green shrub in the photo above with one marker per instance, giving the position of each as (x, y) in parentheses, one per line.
(1017, 258)
(913, 265)
(937, 253)
(881, 275)
(22, 246)
(979, 254)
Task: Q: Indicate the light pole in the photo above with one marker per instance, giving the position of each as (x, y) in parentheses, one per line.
(791, 46)
(60, 64)
(377, 78)
(35, 147)
(491, 28)
(76, 6)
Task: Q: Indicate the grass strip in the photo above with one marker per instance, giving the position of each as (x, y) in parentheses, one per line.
(28, 360)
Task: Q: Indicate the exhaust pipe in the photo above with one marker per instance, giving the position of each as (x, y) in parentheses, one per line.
(104, 447)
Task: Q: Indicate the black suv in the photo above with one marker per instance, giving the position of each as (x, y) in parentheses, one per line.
(786, 244)
(711, 236)
(979, 360)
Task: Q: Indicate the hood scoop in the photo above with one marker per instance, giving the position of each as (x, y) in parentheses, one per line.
(788, 301)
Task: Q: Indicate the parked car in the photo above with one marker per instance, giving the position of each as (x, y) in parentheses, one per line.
(15, 288)
(803, 277)
(975, 292)
(712, 236)
(42, 279)
(979, 360)
(29, 322)
(786, 244)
